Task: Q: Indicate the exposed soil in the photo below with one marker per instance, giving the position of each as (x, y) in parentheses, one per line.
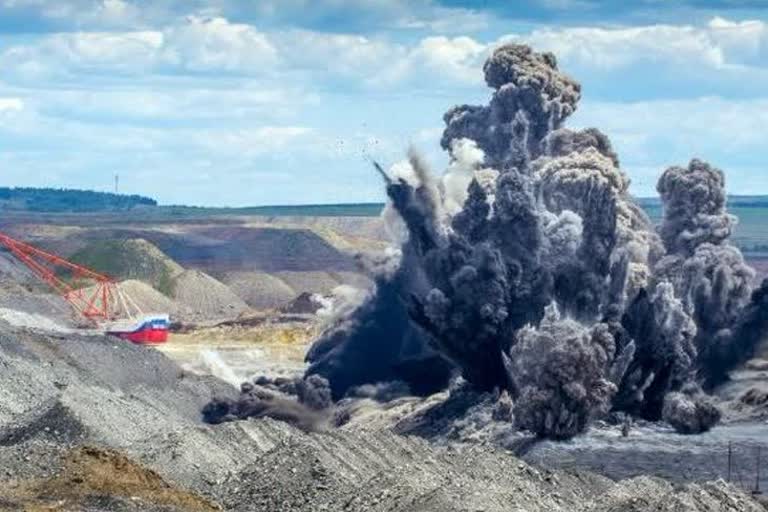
(91, 478)
(205, 297)
(259, 289)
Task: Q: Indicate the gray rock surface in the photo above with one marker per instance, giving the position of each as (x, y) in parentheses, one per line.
(57, 393)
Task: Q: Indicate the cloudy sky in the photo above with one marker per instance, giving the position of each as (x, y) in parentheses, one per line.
(238, 102)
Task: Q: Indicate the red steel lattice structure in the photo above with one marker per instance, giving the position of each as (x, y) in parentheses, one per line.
(93, 304)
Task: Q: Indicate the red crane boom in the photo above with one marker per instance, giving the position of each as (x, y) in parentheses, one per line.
(93, 304)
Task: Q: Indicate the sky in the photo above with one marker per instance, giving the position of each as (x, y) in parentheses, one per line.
(237, 102)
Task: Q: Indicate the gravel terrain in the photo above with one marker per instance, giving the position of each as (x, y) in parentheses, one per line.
(21, 290)
(206, 298)
(259, 289)
(74, 407)
(313, 282)
(152, 301)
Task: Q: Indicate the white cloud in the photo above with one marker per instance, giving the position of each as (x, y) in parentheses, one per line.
(216, 45)
(11, 104)
(456, 61)
(459, 58)
(738, 50)
(197, 44)
(109, 14)
(358, 15)
(249, 142)
(698, 124)
(205, 44)
(345, 54)
(718, 44)
(441, 20)
(747, 39)
(652, 135)
(171, 102)
(68, 53)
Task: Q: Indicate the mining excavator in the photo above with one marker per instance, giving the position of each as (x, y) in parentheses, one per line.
(96, 299)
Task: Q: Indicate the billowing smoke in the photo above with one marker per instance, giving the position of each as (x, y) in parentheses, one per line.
(532, 99)
(665, 353)
(561, 372)
(694, 208)
(529, 271)
(690, 414)
(305, 403)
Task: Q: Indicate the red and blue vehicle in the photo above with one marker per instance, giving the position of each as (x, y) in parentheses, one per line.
(144, 330)
(95, 297)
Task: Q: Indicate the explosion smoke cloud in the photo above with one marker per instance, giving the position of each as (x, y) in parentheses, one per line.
(646, 314)
(548, 282)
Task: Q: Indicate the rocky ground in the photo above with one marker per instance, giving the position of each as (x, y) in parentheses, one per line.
(92, 423)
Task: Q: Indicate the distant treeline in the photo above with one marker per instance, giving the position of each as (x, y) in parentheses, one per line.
(302, 210)
(66, 200)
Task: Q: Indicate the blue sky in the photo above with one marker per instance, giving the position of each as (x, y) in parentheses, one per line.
(234, 102)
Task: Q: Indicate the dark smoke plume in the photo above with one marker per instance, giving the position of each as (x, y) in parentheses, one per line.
(645, 315)
(531, 272)
(304, 403)
(690, 414)
(532, 99)
(561, 373)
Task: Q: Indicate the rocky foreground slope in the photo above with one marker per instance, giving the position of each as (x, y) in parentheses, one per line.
(92, 423)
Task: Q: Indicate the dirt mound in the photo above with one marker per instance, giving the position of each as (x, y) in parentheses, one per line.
(111, 393)
(644, 494)
(205, 297)
(17, 297)
(304, 304)
(21, 290)
(356, 279)
(228, 248)
(12, 269)
(147, 299)
(262, 290)
(53, 420)
(360, 232)
(387, 473)
(102, 479)
(312, 282)
(135, 259)
(258, 289)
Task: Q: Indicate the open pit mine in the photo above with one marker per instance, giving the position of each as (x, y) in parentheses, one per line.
(531, 342)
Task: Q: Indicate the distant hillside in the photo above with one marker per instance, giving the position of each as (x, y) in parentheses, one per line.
(66, 200)
(130, 259)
